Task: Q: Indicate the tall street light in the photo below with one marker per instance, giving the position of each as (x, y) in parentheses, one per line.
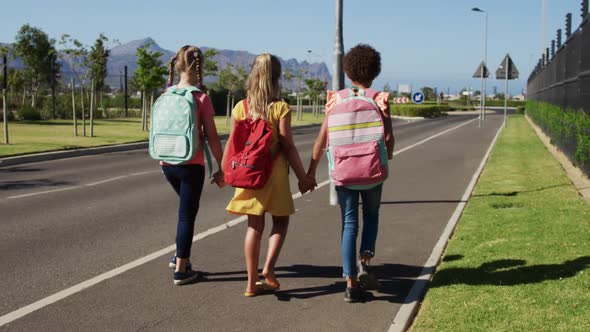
(338, 77)
(485, 61)
(309, 64)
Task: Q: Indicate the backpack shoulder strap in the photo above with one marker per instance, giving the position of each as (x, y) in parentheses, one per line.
(246, 109)
(193, 92)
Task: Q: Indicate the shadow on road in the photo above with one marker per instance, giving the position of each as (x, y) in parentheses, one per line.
(12, 185)
(509, 272)
(19, 169)
(394, 281)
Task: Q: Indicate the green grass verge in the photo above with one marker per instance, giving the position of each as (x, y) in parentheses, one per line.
(51, 135)
(519, 259)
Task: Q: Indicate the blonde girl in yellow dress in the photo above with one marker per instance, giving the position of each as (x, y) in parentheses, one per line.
(275, 197)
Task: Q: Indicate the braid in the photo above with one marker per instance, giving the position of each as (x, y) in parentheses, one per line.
(199, 70)
(189, 60)
(171, 71)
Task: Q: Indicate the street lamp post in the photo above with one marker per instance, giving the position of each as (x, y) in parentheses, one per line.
(485, 62)
(338, 78)
(338, 75)
(309, 64)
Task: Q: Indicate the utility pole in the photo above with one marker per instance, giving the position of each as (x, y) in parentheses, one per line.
(338, 77)
(74, 107)
(544, 26)
(4, 87)
(53, 107)
(92, 106)
(126, 95)
(506, 65)
(485, 63)
(309, 64)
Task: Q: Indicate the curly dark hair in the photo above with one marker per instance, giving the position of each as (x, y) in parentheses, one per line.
(362, 64)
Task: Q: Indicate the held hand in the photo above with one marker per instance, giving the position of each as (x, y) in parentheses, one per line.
(313, 182)
(307, 184)
(302, 187)
(218, 179)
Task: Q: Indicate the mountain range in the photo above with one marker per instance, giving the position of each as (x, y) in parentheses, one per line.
(124, 55)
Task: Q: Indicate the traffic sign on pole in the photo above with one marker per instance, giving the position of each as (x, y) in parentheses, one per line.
(401, 100)
(507, 66)
(482, 70)
(506, 71)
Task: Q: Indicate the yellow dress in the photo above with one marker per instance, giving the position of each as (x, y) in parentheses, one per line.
(275, 198)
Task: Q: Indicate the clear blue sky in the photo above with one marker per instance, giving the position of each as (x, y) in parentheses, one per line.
(429, 42)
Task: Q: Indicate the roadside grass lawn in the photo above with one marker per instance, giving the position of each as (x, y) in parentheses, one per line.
(519, 259)
(42, 136)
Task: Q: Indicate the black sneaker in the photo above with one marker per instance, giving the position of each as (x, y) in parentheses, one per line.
(363, 274)
(181, 278)
(172, 263)
(352, 295)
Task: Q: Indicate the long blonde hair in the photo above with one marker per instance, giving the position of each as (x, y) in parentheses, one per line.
(188, 59)
(263, 84)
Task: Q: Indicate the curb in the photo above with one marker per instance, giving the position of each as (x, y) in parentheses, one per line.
(47, 156)
(32, 158)
(408, 118)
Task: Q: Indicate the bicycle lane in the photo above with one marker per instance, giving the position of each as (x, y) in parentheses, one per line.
(426, 184)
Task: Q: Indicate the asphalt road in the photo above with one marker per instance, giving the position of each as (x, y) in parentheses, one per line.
(67, 221)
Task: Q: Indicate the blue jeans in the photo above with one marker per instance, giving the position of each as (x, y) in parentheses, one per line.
(349, 208)
(187, 181)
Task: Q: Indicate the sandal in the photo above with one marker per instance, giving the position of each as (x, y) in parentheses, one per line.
(259, 291)
(268, 285)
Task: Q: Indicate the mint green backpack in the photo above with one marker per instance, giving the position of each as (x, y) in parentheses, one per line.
(174, 134)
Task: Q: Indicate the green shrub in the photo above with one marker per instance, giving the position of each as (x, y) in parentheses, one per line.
(63, 108)
(520, 110)
(428, 111)
(500, 103)
(461, 107)
(28, 113)
(568, 129)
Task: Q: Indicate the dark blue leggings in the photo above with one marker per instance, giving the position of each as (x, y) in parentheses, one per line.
(187, 181)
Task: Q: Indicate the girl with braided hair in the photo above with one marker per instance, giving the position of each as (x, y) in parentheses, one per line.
(188, 178)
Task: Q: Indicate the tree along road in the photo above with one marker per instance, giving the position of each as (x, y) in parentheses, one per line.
(70, 228)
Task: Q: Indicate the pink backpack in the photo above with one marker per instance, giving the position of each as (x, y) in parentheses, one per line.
(357, 154)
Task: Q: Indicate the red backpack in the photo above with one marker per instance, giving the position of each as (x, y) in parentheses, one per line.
(249, 162)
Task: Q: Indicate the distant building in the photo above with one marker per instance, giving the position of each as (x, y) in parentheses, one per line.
(519, 97)
(404, 88)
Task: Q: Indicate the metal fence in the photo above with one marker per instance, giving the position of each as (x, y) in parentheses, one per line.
(562, 75)
(562, 78)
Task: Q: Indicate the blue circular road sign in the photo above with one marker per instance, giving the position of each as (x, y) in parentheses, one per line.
(418, 97)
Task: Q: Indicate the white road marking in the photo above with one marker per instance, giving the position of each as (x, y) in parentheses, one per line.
(407, 310)
(145, 173)
(106, 181)
(43, 192)
(14, 315)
